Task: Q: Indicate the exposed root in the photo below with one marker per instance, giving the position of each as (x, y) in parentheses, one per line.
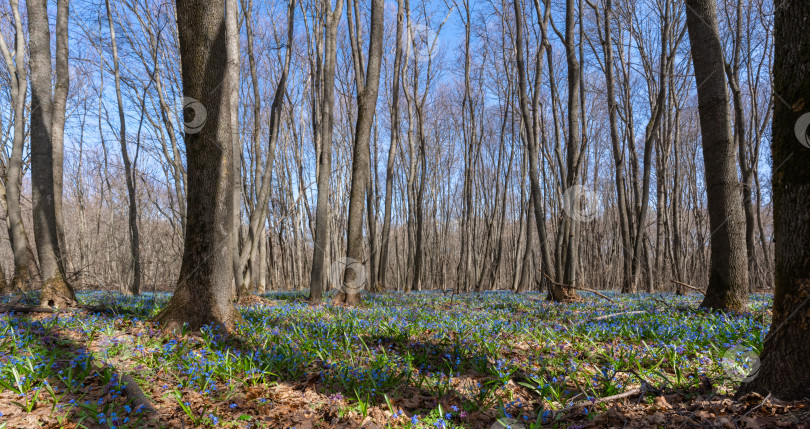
(57, 293)
(177, 316)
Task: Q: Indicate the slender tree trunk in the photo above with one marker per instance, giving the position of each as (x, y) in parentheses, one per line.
(205, 292)
(419, 251)
(367, 104)
(728, 278)
(783, 371)
(258, 215)
(392, 150)
(318, 275)
(732, 69)
(26, 272)
(528, 254)
(618, 150)
(60, 93)
(530, 124)
(233, 46)
(134, 235)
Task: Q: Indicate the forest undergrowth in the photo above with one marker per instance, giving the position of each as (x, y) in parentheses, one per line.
(418, 360)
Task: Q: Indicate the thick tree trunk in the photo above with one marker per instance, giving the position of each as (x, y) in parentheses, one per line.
(783, 371)
(204, 293)
(728, 276)
(56, 290)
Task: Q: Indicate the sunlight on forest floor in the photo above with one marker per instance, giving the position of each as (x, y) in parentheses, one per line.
(415, 360)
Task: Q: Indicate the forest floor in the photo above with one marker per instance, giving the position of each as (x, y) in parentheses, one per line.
(419, 360)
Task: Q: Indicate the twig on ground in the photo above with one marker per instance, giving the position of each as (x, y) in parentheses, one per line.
(755, 408)
(627, 394)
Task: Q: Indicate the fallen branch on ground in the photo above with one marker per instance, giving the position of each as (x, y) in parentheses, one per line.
(137, 398)
(610, 316)
(30, 309)
(582, 404)
(39, 309)
(13, 302)
(576, 287)
(687, 286)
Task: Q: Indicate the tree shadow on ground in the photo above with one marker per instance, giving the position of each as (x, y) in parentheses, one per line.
(63, 384)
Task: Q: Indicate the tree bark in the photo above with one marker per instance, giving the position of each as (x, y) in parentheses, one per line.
(26, 272)
(392, 150)
(60, 93)
(530, 122)
(783, 371)
(367, 104)
(259, 213)
(56, 292)
(205, 293)
(232, 35)
(327, 101)
(618, 152)
(134, 234)
(728, 272)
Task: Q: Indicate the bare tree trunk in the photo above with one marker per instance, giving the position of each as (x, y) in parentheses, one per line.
(728, 278)
(56, 290)
(60, 93)
(26, 271)
(392, 150)
(4, 289)
(367, 83)
(261, 283)
(232, 41)
(258, 215)
(732, 69)
(528, 254)
(134, 235)
(205, 292)
(327, 100)
(618, 150)
(419, 250)
(530, 122)
(783, 371)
